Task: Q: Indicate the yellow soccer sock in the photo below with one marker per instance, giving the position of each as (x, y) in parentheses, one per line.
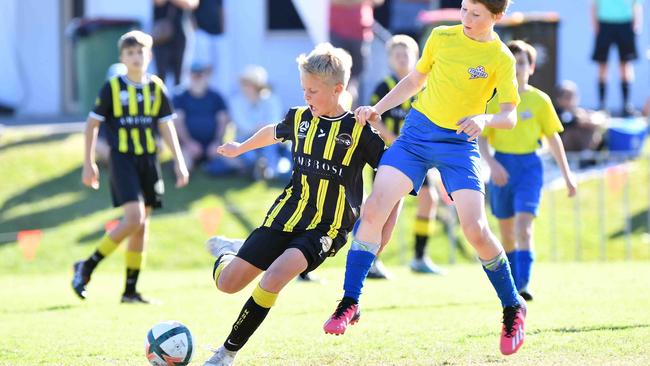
(107, 246)
(264, 298)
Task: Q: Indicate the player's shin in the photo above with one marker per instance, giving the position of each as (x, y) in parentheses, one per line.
(498, 271)
(525, 259)
(359, 260)
(250, 318)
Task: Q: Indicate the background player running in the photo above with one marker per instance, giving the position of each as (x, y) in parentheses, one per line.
(516, 179)
(134, 109)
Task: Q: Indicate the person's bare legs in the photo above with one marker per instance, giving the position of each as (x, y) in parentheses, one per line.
(284, 269)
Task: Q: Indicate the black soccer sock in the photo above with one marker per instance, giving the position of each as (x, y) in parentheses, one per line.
(91, 263)
(602, 89)
(625, 90)
(250, 318)
(131, 280)
(420, 245)
(133, 266)
(421, 230)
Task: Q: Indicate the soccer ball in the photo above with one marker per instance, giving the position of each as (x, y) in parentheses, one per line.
(169, 344)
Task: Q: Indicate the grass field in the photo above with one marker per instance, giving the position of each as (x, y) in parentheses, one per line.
(584, 313)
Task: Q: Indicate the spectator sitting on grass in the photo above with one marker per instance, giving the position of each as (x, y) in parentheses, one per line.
(582, 129)
(202, 117)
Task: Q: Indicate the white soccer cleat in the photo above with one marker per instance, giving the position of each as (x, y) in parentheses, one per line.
(425, 265)
(218, 245)
(221, 357)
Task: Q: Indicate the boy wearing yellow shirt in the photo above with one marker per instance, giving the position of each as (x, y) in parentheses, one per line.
(461, 66)
(516, 170)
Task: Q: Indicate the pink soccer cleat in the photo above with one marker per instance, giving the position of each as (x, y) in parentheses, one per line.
(347, 313)
(512, 333)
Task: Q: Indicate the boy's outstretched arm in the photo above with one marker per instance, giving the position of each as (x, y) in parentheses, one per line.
(168, 133)
(90, 173)
(557, 150)
(264, 137)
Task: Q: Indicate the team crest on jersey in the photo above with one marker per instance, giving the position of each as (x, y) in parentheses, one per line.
(326, 244)
(527, 114)
(303, 128)
(344, 139)
(124, 97)
(477, 72)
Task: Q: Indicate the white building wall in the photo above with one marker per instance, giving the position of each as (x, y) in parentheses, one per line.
(141, 10)
(11, 91)
(38, 53)
(38, 41)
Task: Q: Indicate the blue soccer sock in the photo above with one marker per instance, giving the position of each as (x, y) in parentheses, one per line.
(525, 259)
(498, 271)
(513, 258)
(359, 260)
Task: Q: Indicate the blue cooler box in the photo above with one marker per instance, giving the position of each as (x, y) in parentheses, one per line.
(626, 135)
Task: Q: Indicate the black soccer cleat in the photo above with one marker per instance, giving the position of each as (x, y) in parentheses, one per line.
(526, 295)
(134, 298)
(79, 280)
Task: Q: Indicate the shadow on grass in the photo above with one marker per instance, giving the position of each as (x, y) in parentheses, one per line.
(591, 328)
(585, 329)
(638, 225)
(34, 140)
(88, 201)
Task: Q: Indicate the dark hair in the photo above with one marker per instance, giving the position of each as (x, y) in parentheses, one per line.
(494, 6)
(518, 46)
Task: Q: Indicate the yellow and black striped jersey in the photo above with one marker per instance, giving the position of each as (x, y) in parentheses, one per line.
(326, 188)
(129, 112)
(394, 117)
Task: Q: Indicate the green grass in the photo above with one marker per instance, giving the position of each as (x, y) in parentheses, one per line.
(585, 313)
(40, 189)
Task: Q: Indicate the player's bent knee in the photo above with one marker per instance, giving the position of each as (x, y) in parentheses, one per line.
(476, 233)
(372, 213)
(229, 287)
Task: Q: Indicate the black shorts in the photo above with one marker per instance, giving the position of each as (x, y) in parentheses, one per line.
(265, 245)
(136, 178)
(620, 34)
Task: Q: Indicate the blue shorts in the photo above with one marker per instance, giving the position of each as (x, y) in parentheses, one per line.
(423, 145)
(523, 191)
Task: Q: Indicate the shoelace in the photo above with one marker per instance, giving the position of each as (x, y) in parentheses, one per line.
(509, 319)
(343, 306)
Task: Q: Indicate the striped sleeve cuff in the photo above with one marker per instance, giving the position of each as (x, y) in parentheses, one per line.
(167, 118)
(96, 116)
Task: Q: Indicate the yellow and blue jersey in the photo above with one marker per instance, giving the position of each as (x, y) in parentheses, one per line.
(465, 82)
(536, 117)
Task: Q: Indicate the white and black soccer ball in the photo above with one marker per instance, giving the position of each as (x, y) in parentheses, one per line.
(169, 343)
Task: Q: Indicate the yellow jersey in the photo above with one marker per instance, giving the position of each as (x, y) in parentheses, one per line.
(463, 75)
(536, 117)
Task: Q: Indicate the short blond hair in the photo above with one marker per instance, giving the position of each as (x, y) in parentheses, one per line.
(328, 62)
(403, 40)
(133, 38)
